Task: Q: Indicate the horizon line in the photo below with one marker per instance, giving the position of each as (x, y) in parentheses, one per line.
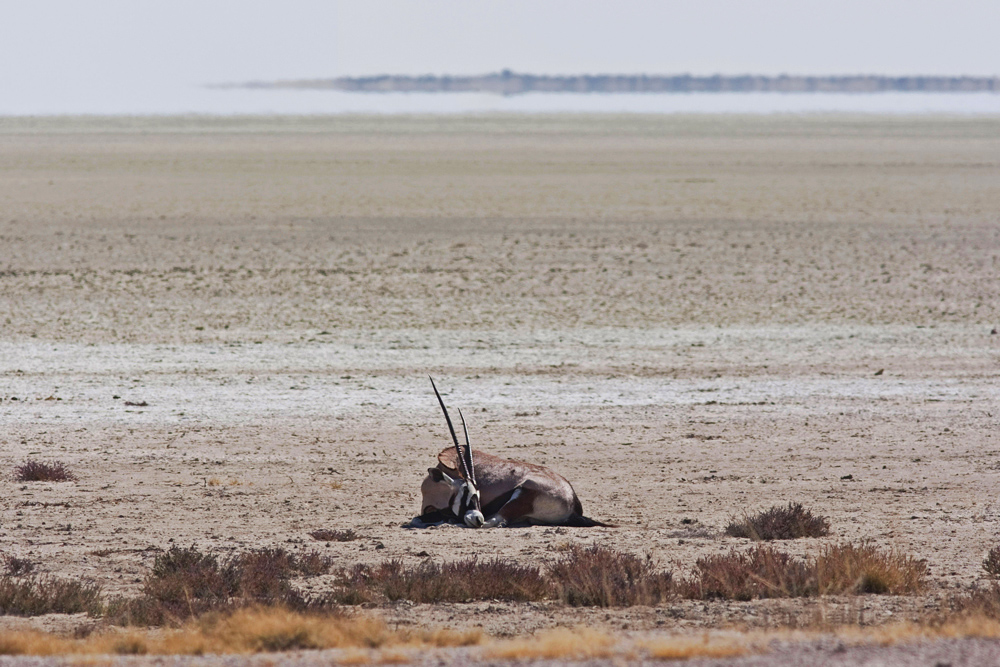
(508, 82)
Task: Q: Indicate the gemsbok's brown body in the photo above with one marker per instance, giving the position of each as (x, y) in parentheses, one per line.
(482, 490)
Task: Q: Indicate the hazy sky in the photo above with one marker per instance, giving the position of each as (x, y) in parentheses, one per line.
(70, 47)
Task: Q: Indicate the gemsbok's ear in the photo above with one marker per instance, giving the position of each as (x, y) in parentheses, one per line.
(438, 476)
(449, 459)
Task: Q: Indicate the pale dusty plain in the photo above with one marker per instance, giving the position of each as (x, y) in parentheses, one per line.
(685, 316)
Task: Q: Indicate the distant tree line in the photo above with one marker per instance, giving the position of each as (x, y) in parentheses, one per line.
(511, 83)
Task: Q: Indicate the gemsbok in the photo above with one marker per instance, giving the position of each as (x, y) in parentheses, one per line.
(485, 491)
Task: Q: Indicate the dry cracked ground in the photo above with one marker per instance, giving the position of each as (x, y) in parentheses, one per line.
(688, 317)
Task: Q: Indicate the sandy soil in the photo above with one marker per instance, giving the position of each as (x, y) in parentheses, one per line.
(683, 316)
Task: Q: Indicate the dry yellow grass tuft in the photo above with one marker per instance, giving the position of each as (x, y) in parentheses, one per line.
(561, 643)
(267, 629)
(686, 648)
(126, 643)
(32, 643)
(354, 657)
(258, 630)
(392, 657)
(899, 633)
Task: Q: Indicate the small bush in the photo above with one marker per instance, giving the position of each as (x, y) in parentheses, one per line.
(859, 569)
(17, 567)
(180, 575)
(762, 572)
(45, 595)
(37, 471)
(358, 585)
(980, 603)
(780, 523)
(312, 564)
(601, 577)
(992, 563)
(182, 583)
(186, 582)
(497, 579)
(324, 535)
(262, 576)
(462, 581)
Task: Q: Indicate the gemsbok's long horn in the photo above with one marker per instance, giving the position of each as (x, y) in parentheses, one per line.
(461, 458)
(468, 450)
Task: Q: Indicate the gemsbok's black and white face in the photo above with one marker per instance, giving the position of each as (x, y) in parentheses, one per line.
(459, 497)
